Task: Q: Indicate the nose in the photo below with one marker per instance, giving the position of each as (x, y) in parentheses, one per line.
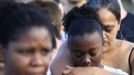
(37, 60)
(87, 60)
(104, 34)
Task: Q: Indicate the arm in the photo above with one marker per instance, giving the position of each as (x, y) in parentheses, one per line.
(61, 60)
(87, 71)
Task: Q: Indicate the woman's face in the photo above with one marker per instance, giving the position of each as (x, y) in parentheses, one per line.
(86, 50)
(110, 27)
(30, 54)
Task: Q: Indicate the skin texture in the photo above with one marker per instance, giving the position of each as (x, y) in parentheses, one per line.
(112, 47)
(30, 54)
(86, 71)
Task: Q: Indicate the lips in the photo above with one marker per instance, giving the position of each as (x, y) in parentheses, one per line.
(36, 71)
(85, 65)
(37, 74)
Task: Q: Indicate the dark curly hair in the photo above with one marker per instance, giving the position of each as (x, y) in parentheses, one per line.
(15, 17)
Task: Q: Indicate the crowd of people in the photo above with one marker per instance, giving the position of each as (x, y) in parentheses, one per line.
(65, 37)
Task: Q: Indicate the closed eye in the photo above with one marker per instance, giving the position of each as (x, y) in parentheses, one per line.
(45, 51)
(78, 53)
(93, 52)
(26, 51)
(108, 28)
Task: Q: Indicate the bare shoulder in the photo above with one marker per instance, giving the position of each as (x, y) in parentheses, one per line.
(61, 59)
(126, 45)
(130, 49)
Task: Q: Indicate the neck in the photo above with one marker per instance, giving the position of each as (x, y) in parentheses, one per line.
(115, 45)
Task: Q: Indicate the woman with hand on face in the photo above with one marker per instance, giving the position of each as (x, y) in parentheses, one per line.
(116, 53)
(27, 38)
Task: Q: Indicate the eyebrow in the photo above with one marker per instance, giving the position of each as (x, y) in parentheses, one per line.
(24, 49)
(47, 49)
(76, 50)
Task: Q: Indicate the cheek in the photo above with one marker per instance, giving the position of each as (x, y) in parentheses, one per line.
(47, 59)
(76, 60)
(17, 63)
(21, 64)
(114, 32)
(20, 61)
(109, 37)
(97, 59)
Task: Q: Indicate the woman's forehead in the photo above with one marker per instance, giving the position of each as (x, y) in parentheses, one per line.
(38, 31)
(35, 35)
(86, 41)
(106, 17)
(87, 37)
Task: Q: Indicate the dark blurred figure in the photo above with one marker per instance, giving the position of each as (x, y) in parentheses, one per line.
(69, 4)
(56, 16)
(127, 28)
(27, 39)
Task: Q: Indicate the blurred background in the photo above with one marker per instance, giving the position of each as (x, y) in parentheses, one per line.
(129, 5)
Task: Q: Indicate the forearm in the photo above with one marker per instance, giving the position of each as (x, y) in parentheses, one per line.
(109, 73)
(105, 72)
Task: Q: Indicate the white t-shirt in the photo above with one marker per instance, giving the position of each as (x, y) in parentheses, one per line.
(114, 70)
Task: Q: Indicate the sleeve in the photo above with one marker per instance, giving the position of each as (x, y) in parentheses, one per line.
(115, 70)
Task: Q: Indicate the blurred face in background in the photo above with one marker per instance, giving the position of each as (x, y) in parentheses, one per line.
(30, 54)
